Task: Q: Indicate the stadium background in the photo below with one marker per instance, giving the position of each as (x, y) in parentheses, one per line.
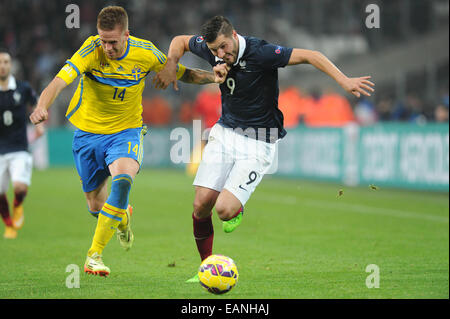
(396, 139)
(407, 58)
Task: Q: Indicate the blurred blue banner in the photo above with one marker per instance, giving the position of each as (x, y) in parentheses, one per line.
(391, 155)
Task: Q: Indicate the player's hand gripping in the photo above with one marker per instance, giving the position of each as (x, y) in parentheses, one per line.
(358, 86)
(166, 76)
(220, 72)
(39, 115)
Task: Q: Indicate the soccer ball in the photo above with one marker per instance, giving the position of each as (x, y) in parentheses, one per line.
(218, 274)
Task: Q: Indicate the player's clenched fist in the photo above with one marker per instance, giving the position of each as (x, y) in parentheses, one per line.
(39, 115)
(220, 72)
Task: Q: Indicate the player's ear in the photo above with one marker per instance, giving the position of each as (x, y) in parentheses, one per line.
(127, 34)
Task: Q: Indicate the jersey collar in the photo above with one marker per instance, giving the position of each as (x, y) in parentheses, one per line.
(242, 46)
(126, 50)
(12, 85)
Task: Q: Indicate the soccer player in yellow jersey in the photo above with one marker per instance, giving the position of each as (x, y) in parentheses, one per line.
(106, 109)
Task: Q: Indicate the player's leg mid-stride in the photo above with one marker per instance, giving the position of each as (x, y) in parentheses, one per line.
(124, 233)
(114, 216)
(94, 264)
(10, 231)
(229, 210)
(14, 223)
(20, 192)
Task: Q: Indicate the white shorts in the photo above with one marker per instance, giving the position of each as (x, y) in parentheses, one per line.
(15, 167)
(234, 162)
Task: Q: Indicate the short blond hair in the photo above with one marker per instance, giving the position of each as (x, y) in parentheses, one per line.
(111, 16)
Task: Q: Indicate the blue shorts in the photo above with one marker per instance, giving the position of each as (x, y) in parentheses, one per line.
(93, 153)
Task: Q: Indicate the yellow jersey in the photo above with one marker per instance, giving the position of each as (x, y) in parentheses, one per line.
(108, 98)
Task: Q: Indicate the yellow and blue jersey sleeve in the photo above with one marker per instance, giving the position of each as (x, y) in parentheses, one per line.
(108, 98)
(81, 61)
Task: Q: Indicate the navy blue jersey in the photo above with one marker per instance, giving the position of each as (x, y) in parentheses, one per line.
(250, 91)
(14, 116)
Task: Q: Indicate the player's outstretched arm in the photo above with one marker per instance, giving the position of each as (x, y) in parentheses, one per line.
(199, 76)
(168, 75)
(355, 86)
(46, 99)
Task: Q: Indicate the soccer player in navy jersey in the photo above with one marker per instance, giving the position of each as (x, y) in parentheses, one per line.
(15, 160)
(242, 144)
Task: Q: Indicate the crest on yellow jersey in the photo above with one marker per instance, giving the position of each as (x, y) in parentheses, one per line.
(136, 72)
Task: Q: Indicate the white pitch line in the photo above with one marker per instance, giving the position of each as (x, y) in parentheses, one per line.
(361, 209)
(282, 199)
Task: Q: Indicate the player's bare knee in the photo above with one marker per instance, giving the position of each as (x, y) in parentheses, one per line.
(224, 211)
(95, 205)
(20, 188)
(204, 203)
(202, 208)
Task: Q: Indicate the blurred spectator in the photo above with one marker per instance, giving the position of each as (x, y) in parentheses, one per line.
(290, 104)
(307, 102)
(185, 115)
(207, 108)
(444, 95)
(156, 111)
(441, 113)
(208, 105)
(409, 110)
(331, 110)
(365, 113)
(35, 32)
(445, 100)
(384, 108)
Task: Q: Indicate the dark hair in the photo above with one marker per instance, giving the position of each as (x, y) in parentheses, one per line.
(111, 16)
(216, 26)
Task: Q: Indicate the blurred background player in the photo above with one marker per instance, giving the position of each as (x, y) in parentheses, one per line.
(232, 166)
(106, 108)
(206, 108)
(16, 163)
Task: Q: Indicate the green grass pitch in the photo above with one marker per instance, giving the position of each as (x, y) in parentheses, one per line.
(298, 240)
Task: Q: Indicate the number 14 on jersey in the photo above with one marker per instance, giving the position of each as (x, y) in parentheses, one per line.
(135, 148)
(121, 94)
